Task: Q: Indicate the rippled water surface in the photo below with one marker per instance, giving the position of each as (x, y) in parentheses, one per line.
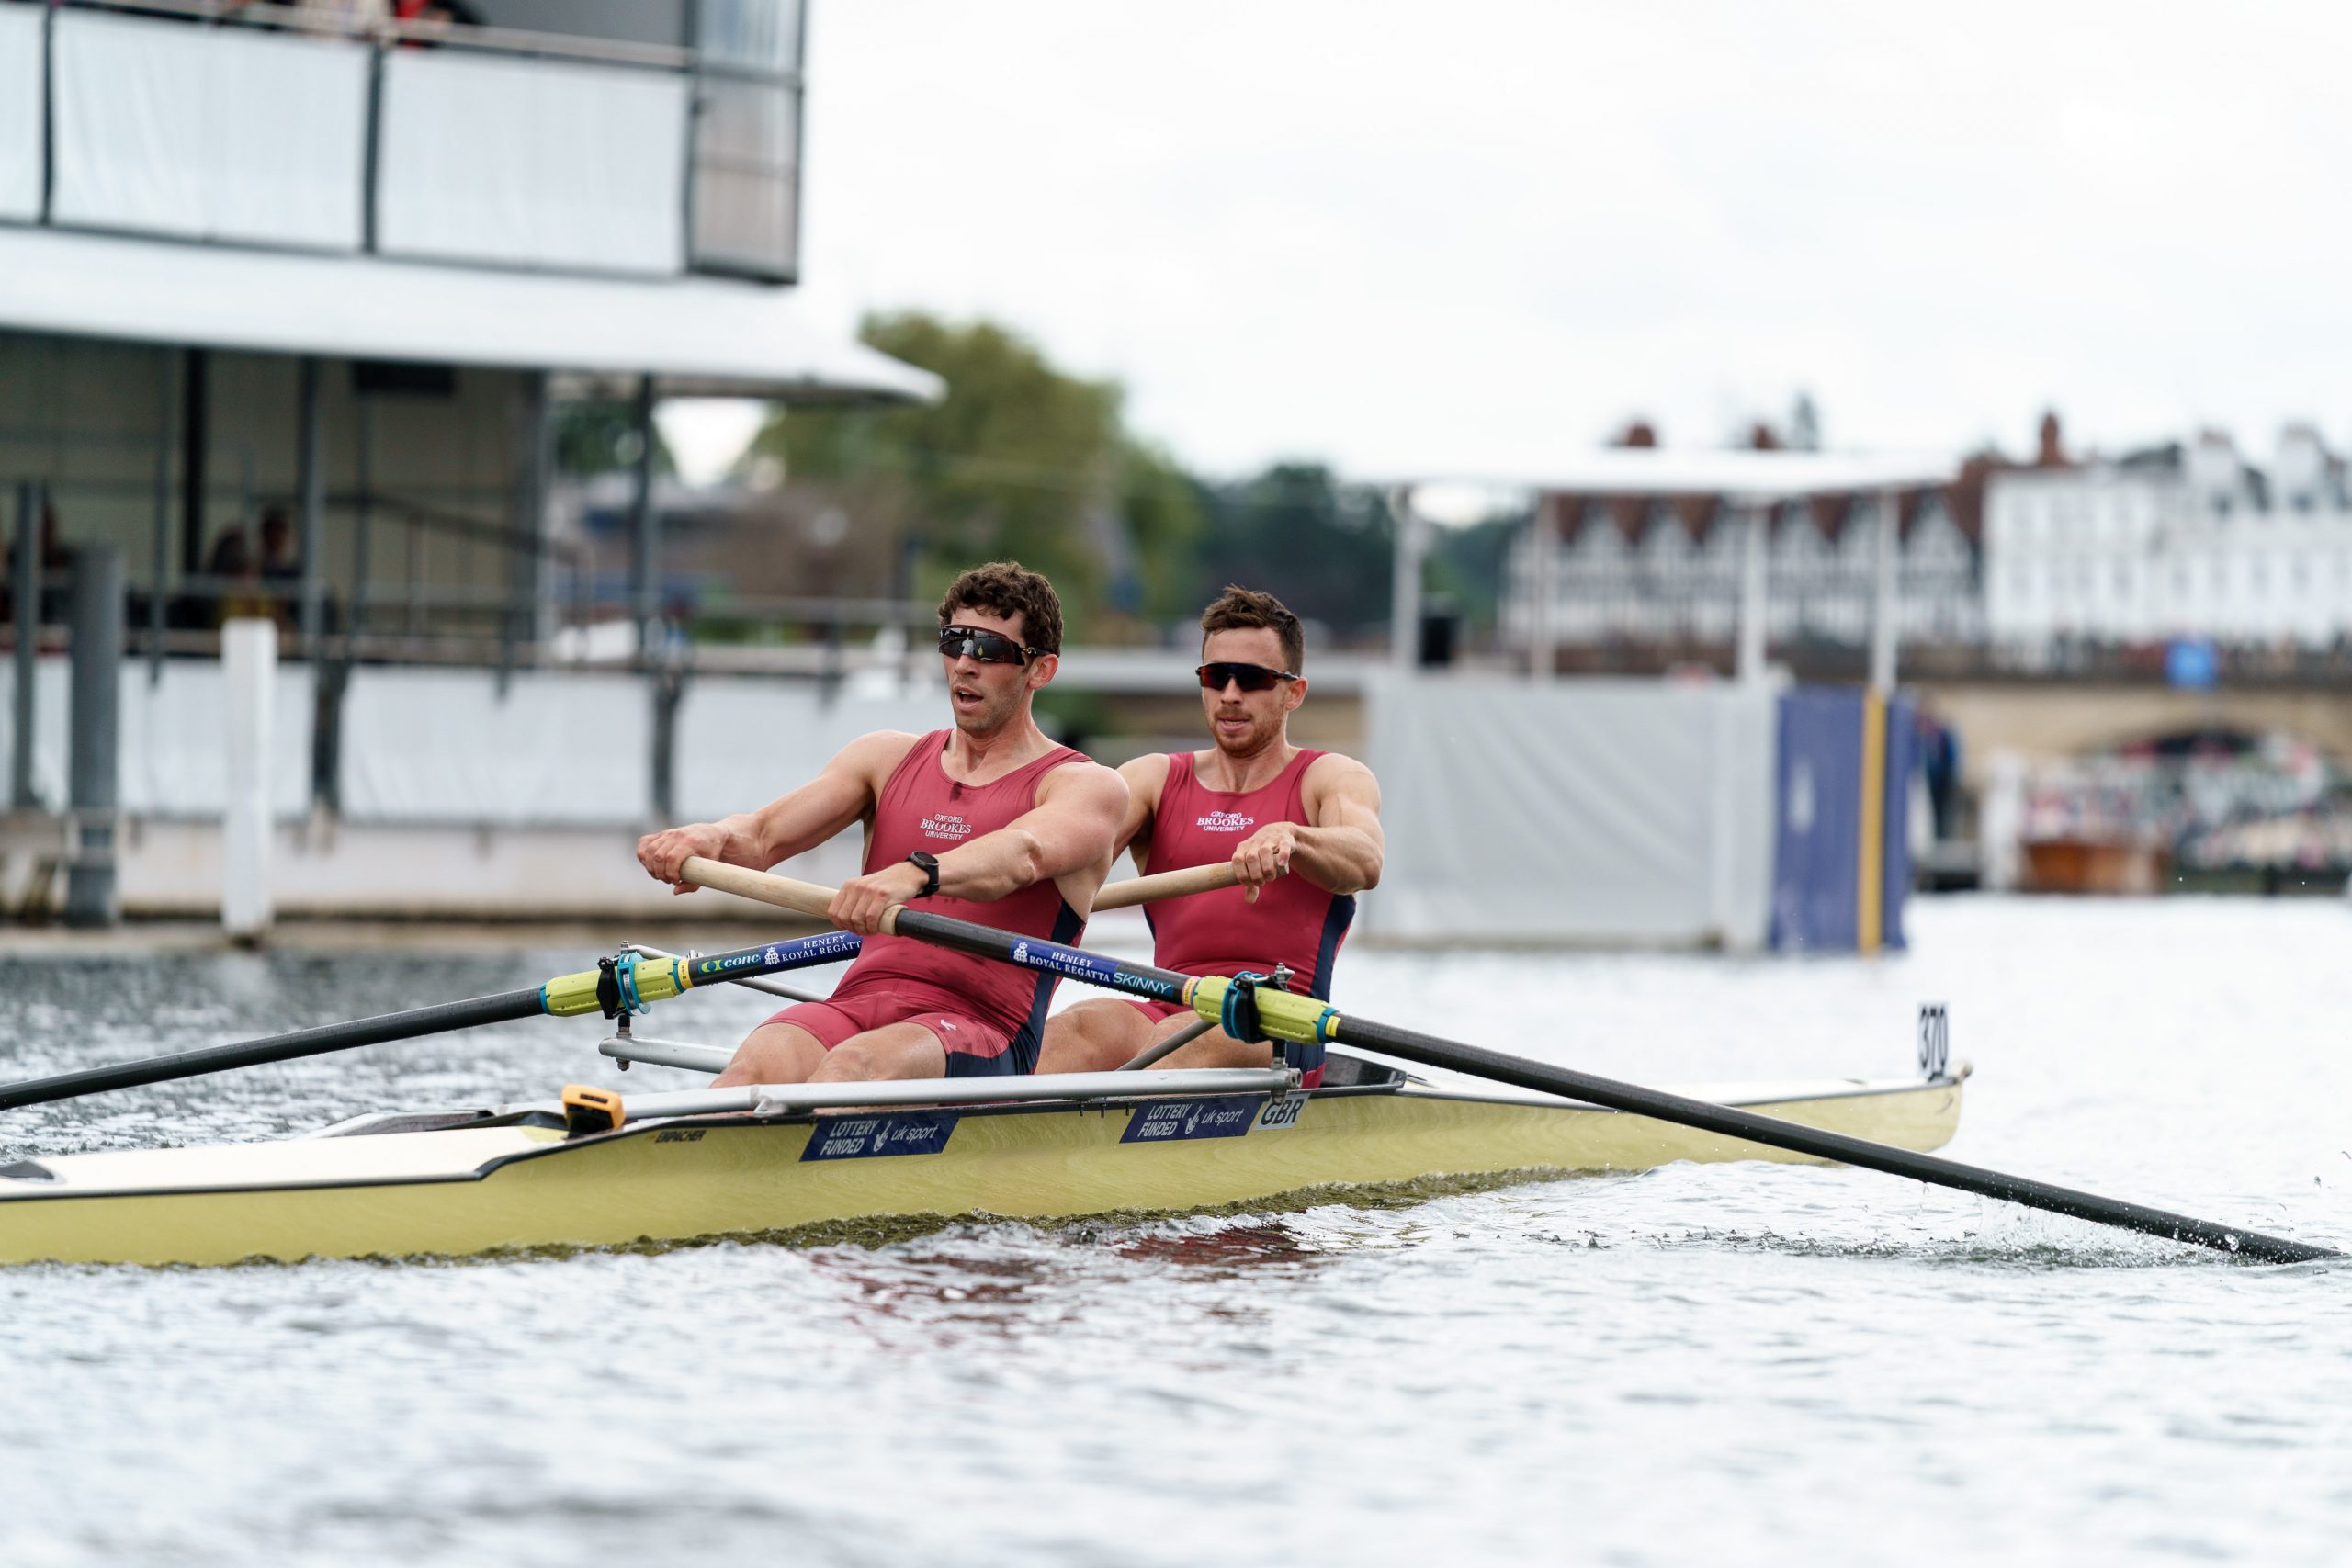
(1737, 1364)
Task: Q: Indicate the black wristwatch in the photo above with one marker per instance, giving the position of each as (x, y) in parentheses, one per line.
(927, 863)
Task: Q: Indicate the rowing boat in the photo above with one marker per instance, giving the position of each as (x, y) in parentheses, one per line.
(599, 1170)
(473, 1181)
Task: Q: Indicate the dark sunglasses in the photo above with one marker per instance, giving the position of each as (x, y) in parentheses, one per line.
(1250, 677)
(988, 648)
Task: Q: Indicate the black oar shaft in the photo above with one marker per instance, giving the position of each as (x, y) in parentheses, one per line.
(499, 1009)
(1144, 979)
(1775, 1132)
(613, 985)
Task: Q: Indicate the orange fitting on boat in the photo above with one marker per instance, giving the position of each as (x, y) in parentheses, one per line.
(587, 1109)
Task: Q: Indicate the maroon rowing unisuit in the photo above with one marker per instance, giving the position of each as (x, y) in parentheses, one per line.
(990, 1016)
(1292, 922)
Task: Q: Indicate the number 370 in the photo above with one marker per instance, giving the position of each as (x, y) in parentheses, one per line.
(1935, 1040)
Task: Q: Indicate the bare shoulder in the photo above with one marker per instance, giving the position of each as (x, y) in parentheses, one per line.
(1147, 777)
(1085, 784)
(1333, 775)
(874, 756)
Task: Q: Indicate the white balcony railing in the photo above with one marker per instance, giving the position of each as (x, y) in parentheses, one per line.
(489, 147)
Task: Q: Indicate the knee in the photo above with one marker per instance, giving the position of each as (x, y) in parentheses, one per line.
(1077, 1040)
(772, 1056)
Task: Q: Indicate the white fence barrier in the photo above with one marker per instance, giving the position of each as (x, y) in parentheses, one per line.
(1597, 811)
(445, 746)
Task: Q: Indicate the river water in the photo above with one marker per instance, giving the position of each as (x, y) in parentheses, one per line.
(1745, 1364)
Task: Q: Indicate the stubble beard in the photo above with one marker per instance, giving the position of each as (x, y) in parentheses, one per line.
(992, 717)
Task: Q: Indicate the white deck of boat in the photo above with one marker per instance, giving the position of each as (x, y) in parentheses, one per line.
(309, 1162)
(457, 1152)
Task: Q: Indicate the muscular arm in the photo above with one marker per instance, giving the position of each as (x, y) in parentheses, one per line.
(842, 794)
(1146, 777)
(1068, 834)
(1074, 826)
(1339, 847)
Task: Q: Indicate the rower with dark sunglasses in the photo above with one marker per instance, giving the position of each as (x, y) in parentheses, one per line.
(988, 821)
(1301, 829)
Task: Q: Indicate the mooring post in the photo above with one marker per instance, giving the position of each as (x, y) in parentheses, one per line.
(93, 777)
(249, 672)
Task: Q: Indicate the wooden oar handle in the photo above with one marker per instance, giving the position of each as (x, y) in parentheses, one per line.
(808, 899)
(1167, 884)
(812, 900)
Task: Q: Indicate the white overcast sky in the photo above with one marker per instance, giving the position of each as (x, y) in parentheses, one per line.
(1459, 239)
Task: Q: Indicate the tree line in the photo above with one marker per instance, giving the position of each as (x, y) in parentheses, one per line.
(1023, 460)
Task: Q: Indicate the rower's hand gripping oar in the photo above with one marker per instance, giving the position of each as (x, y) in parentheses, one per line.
(1248, 1011)
(626, 983)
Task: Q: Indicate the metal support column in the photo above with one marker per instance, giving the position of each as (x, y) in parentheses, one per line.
(1404, 591)
(644, 527)
(1884, 606)
(1755, 521)
(159, 550)
(668, 688)
(1543, 600)
(196, 376)
(311, 466)
(363, 541)
(528, 588)
(26, 573)
(92, 776)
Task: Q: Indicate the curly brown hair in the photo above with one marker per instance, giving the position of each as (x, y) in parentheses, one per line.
(1007, 588)
(1244, 609)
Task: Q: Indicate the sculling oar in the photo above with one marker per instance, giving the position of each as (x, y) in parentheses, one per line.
(1249, 1012)
(626, 982)
(1164, 885)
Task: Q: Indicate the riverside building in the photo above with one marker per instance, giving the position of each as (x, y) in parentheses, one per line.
(2185, 540)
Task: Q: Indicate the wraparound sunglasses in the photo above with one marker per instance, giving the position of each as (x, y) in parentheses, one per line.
(988, 648)
(1250, 677)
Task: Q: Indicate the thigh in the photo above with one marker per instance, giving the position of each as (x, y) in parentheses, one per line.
(775, 1052)
(1218, 1049)
(1096, 1036)
(909, 1050)
(1214, 1049)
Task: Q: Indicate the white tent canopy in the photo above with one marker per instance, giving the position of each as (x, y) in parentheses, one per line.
(695, 336)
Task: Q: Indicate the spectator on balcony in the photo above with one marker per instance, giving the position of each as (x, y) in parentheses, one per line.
(427, 22)
(236, 582)
(343, 19)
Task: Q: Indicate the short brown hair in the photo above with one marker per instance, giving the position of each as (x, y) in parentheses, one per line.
(1007, 588)
(1244, 609)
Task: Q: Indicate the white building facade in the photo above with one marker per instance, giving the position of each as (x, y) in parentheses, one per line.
(2187, 541)
(1668, 573)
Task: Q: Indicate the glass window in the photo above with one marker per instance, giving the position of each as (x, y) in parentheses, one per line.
(747, 137)
(750, 35)
(747, 177)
